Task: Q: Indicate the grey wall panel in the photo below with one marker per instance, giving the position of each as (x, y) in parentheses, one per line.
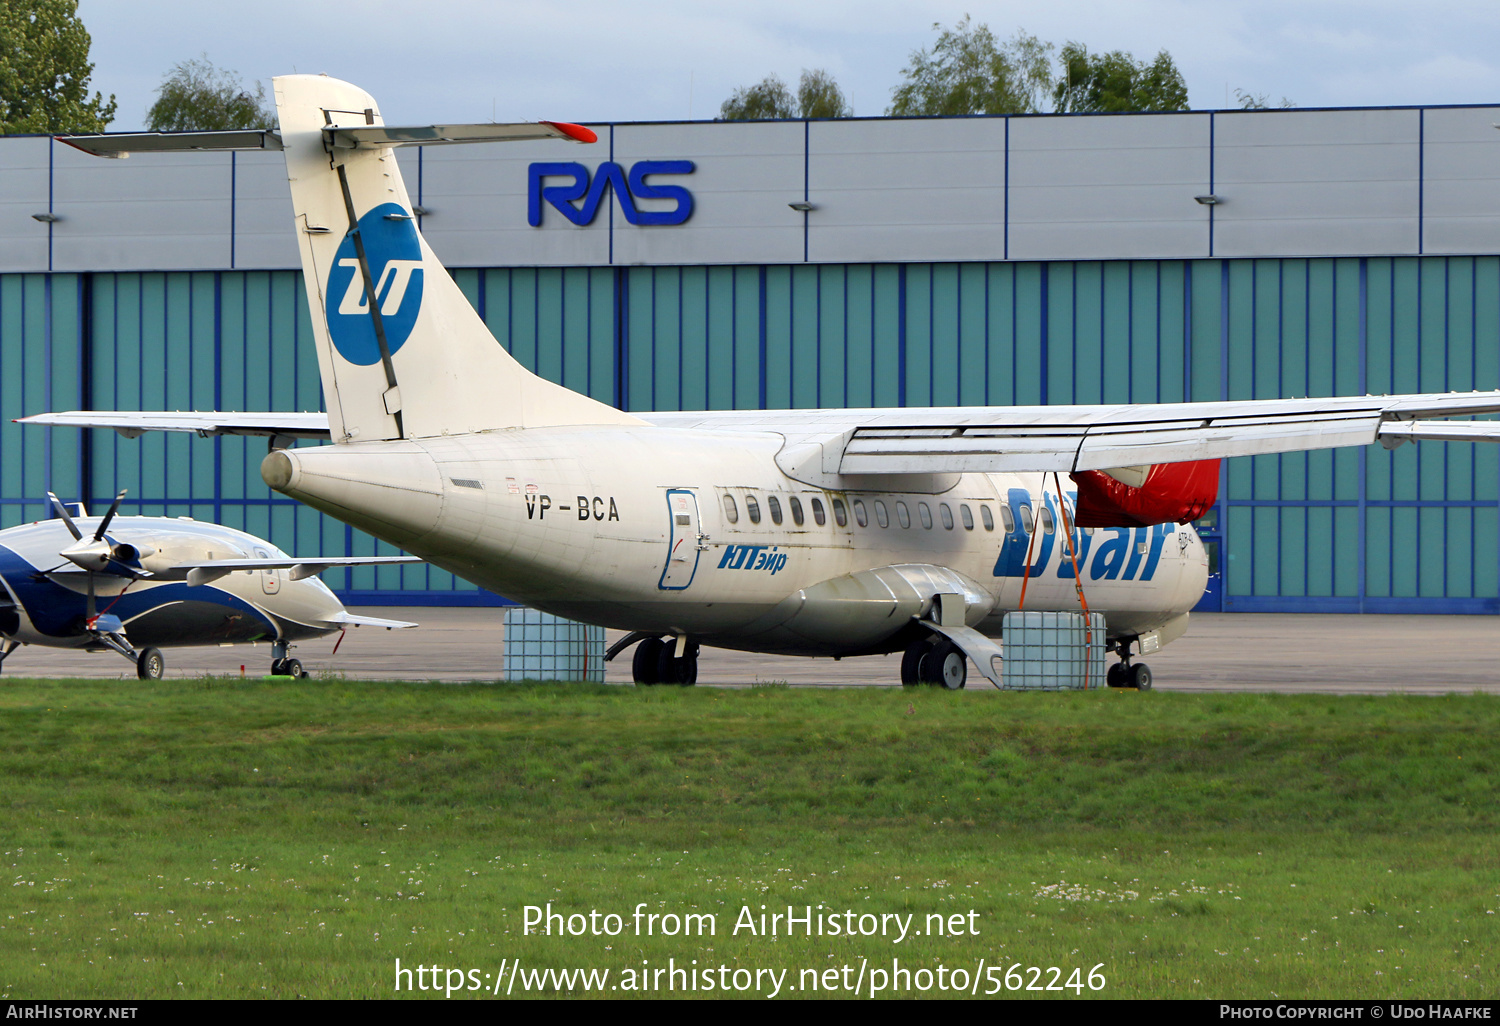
(23, 169)
(265, 236)
(477, 195)
(1461, 181)
(930, 189)
(150, 211)
(1316, 183)
(744, 177)
(1108, 188)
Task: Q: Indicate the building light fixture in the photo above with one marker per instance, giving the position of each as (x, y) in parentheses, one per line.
(803, 206)
(47, 218)
(1210, 200)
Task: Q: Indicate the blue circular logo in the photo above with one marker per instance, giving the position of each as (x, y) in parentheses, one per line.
(395, 256)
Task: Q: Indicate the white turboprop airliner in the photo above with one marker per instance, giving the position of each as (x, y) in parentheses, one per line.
(812, 532)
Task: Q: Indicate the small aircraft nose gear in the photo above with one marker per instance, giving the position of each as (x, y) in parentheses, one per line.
(281, 666)
(1126, 674)
(935, 660)
(656, 662)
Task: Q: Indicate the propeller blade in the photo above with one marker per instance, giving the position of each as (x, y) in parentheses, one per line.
(90, 613)
(104, 524)
(63, 512)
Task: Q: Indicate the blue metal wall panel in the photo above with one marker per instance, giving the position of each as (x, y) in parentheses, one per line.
(1372, 530)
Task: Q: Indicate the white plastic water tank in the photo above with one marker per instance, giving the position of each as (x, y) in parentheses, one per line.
(1053, 651)
(540, 646)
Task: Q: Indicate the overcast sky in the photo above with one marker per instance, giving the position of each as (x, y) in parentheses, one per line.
(606, 60)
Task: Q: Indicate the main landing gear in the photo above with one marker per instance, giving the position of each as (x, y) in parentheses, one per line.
(656, 662)
(1126, 674)
(935, 660)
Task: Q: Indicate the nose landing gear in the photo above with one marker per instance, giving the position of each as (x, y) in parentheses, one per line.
(281, 666)
(1126, 674)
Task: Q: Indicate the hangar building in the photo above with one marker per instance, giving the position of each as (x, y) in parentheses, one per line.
(859, 262)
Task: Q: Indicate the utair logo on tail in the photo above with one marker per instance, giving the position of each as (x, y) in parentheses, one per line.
(395, 256)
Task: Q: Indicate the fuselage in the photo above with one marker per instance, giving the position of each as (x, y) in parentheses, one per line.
(673, 531)
(47, 596)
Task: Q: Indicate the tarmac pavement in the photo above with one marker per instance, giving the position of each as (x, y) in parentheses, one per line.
(1220, 652)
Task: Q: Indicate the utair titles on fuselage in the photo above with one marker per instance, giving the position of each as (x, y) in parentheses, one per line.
(815, 532)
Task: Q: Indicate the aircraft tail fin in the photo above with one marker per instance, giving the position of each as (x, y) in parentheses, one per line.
(416, 361)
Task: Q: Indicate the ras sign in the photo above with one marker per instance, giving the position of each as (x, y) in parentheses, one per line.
(610, 174)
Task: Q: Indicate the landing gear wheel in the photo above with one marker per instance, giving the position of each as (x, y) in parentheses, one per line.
(293, 668)
(672, 670)
(643, 665)
(277, 668)
(945, 664)
(1118, 676)
(150, 665)
(911, 662)
(1140, 677)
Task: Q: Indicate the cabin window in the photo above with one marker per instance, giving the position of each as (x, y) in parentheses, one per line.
(840, 514)
(1047, 523)
(1007, 519)
(967, 516)
(796, 505)
(925, 512)
(946, 516)
(819, 517)
(752, 509)
(881, 516)
(774, 505)
(731, 511)
(903, 515)
(860, 516)
(1028, 522)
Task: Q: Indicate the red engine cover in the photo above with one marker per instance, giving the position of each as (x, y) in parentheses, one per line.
(1173, 493)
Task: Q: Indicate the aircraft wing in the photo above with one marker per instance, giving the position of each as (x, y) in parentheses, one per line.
(992, 439)
(208, 571)
(1074, 438)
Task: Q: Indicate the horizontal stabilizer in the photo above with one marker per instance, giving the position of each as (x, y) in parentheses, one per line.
(132, 425)
(366, 137)
(123, 144)
(348, 619)
(335, 137)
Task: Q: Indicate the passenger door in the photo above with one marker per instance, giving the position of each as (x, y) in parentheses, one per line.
(683, 540)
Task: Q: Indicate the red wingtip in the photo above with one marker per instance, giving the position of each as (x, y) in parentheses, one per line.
(575, 132)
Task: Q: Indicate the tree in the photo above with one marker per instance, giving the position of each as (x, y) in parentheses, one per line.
(818, 96)
(1116, 81)
(196, 96)
(45, 68)
(1259, 101)
(769, 98)
(967, 72)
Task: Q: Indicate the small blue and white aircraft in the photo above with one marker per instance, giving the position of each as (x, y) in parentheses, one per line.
(812, 532)
(136, 585)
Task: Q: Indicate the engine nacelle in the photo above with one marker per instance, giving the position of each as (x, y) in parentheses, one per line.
(1162, 493)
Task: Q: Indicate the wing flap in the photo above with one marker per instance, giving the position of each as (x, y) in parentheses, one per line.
(208, 571)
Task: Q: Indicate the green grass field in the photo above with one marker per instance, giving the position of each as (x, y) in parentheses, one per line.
(221, 838)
